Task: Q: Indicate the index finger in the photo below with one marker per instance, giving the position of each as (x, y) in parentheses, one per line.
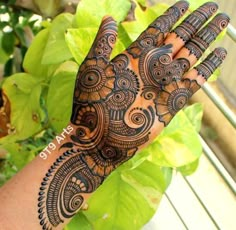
(156, 32)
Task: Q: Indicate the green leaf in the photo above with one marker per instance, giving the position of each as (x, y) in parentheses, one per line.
(142, 2)
(131, 196)
(24, 92)
(33, 58)
(6, 171)
(3, 55)
(88, 19)
(56, 50)
(48, 8)
(8, 42)
(193, 4)
(189, 169)
(122, 43)
(60, 95)
(143, 19)
(79, 42)
(90, 12)
(214, 76)
(79, 221)
(177, 145)
(194, 113)
(18, 155)
(21, 35)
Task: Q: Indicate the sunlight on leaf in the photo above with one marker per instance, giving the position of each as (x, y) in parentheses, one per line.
(18, 156)
(189, 169)
(79, 42)
(126, 189)
(90, 13)
(177, 145)
(142, 19)
(56, 49)
(33, 58)
(214, 76)
(193, 4)
(79, 221)
(194, 113)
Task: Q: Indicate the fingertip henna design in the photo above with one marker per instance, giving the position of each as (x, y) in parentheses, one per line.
(211, 63)
(105, 39)
(207, 35)
(96, 76)
(154, 35)
(195, 20)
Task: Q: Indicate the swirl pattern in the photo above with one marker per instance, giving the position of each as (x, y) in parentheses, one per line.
(92, 126)
(71, 179)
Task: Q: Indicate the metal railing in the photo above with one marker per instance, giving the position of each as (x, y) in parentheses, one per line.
(231, 117)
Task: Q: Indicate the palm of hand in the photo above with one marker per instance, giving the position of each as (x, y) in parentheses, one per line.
(122, 104)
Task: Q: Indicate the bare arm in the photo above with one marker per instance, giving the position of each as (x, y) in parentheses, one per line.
(119, 107)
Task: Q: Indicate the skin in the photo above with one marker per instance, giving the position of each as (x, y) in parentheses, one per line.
(119, 107)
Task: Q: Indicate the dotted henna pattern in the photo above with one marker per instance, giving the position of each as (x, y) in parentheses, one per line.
(117, 103)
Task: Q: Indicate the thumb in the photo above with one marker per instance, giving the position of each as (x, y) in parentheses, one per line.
(105, 39)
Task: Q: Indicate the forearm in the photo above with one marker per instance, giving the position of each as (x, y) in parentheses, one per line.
(21, 197)
(54, 186)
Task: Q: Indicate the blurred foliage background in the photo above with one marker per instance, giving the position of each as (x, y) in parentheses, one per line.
(42, 43)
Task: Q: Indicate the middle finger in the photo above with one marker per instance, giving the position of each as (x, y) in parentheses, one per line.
(186, 30)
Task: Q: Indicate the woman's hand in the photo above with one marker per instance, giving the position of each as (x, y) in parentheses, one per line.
(121, 105)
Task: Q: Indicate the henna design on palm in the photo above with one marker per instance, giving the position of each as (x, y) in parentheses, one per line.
(119, 106)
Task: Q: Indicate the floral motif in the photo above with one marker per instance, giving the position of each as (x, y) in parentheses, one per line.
(174, 97)
(104, 161)
(95, 80)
